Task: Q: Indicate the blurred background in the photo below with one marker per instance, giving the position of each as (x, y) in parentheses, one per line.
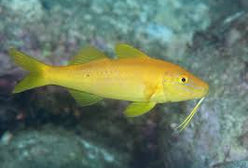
(45, 128)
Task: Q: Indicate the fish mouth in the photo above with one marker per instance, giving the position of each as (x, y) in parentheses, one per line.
(205, 89)
(201, 90)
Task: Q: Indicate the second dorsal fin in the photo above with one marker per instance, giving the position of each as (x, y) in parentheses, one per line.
(127, 51)
(87, 54)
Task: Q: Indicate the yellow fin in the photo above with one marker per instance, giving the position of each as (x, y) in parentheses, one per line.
(138, 108)
(127, 51)
(83, 98)
(87, 54)
(36, 68)
(186, 121)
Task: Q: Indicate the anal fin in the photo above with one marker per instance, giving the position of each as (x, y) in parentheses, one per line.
(138, 108)
(83, 98)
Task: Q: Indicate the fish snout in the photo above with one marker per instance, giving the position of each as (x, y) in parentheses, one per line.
(199, 88)
(204, 89)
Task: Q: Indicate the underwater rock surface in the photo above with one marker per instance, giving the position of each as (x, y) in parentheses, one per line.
(234, 164)
(218, 133)
(45, 127)
(57, 148)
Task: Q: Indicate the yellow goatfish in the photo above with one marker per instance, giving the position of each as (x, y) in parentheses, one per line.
(133, 76)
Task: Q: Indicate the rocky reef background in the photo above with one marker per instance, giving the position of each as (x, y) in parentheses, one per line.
(44, 127)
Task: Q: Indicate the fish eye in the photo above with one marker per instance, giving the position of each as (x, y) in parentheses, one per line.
(183, 79)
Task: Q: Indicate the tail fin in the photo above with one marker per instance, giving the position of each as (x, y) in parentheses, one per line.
(37, 70)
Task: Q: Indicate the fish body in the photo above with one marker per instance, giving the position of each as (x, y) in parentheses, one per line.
(131, 79)
(123, 79)
(133, 76)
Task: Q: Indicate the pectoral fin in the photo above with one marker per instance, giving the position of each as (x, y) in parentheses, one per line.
(83, 98)
(138, 108)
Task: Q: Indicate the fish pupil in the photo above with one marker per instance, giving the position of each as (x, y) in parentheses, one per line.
(183, 79)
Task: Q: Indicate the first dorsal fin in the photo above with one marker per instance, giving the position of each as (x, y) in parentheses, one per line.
(127, 51)
(87, 54)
